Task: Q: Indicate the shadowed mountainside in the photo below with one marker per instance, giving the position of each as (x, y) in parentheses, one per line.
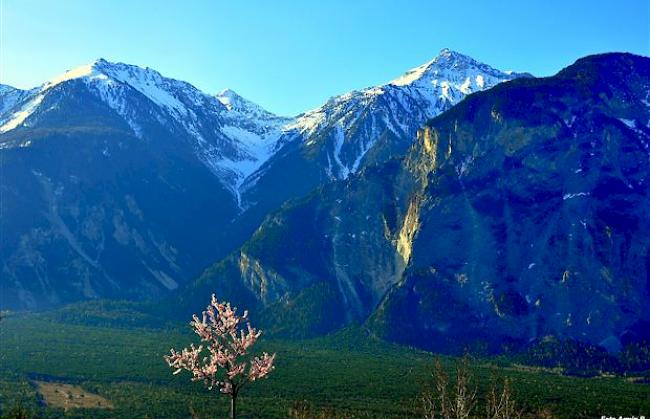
(520, 213)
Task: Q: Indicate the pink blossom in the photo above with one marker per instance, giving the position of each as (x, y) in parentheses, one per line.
(261, 366)
(227, 338)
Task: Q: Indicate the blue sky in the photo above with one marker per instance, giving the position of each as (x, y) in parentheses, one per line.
(291, 56)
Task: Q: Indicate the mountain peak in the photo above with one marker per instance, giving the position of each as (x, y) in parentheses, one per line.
(111, 81)
(104, 70)
(86, 70)
(450, 66)
(233, 101)
(5, 88)
(228, 93)
(449, 53)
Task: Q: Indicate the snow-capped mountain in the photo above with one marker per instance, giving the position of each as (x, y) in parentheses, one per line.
(120, 182)
(232, 136)
(366, 127)
(400, 107)
(235, 137)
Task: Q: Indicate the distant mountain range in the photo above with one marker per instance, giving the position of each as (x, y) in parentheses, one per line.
(455, 207)
(121, 183)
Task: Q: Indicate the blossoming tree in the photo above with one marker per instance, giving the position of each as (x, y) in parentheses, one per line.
(225, 364)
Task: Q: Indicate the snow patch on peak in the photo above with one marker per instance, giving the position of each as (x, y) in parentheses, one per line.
(443, 58)
(87, 70)
(239, 105)
(18, 117)
(447, 79)
(450, 65)
(480, 81)
(412, 75)
(230, 99)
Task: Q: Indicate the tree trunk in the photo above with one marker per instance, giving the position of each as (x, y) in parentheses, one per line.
(233, 407)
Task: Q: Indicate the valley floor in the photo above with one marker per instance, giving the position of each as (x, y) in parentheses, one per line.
(346, 373)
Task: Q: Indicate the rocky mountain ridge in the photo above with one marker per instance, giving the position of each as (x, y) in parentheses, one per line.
(520, 213)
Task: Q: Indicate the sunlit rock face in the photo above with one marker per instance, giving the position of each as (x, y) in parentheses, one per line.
(535, 220)
(521, 212)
